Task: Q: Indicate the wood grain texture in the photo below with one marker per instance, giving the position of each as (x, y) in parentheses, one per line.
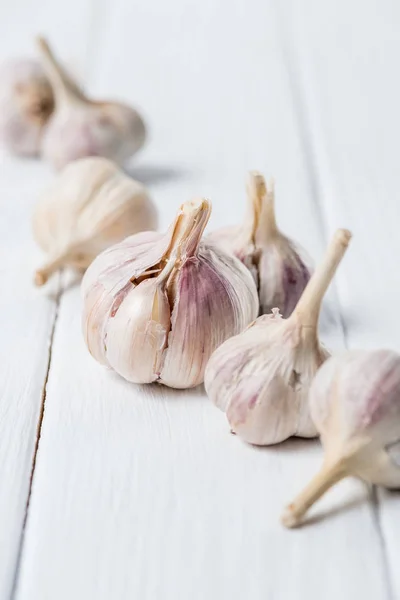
(141, 492)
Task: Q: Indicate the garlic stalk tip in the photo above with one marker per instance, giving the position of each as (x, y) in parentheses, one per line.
(64, 87)
(326, 478)
(309, 305)
(277, 264)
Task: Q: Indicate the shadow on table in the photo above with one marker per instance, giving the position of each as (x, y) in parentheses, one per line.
(154, 174)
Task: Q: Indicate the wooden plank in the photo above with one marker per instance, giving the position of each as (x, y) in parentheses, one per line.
(26, 315)
(345, 69)
(140, 492)
(27, 318)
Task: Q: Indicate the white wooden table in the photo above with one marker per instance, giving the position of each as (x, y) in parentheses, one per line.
(114, 492)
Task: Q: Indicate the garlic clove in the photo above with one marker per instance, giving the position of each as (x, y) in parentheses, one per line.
(179, 296)
(81, 127)
(278, 265)
(261, 378)
(26, 103)
(90, 206)
(355, 404)
(137, 334)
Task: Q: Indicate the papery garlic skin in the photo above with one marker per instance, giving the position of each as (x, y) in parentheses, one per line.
(80, 127)
(26, 103)
(261, 378)
(156, 307)
(90, 206)
(355, 404)
(279, 266)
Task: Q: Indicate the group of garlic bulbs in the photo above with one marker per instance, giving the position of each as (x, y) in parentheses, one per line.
(44, 112)
(177, 309)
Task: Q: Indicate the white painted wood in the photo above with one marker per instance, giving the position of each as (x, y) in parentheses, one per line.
(142, 492)
(25, 325)
(26, 315)
(345, 58)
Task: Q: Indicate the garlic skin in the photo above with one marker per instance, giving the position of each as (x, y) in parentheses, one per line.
(278, 265)
(261, 378)
(355, 404)
(26, 103)
(157, 305)
(81, 127)
(91, 205)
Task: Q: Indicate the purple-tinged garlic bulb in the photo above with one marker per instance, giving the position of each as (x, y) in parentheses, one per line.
(26, 103)
(157, 305)
(278, 265)
(90, 206)
(81, 127)
(355, 405)
(261, 378)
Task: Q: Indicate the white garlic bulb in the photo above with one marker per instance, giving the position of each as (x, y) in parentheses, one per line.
(156, 306)
(81, 127)
(355, 404)
(261, 378)
(26, 102)
(278, 265)
(91, 205)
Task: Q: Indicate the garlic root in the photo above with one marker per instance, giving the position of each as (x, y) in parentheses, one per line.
(26, 103)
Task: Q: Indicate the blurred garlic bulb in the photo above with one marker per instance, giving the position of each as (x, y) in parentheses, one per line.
(261, 378)
(355, 404)
(81, 127)
(277, 264)
(156, 306)
(89, 206)
(26, 102)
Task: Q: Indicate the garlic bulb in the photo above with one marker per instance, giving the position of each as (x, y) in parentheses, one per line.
(26, 102)
(355, 404)
(277, 264)
(156, 306)
(81, 127)
(261, 377)
(90, 206)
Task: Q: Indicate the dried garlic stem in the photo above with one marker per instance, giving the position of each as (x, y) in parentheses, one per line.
(260, 222)
(189, 227)
(64, 88)
(309, 305)
(325, 479)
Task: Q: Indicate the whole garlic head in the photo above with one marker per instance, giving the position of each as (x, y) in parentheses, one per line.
(157, 306)
(278, 265)
(355, 405)
(90, 205)
(261, 378)
(81, 127)
(26, 103)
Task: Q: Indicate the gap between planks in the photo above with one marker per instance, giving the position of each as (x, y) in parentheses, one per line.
(39, 426)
